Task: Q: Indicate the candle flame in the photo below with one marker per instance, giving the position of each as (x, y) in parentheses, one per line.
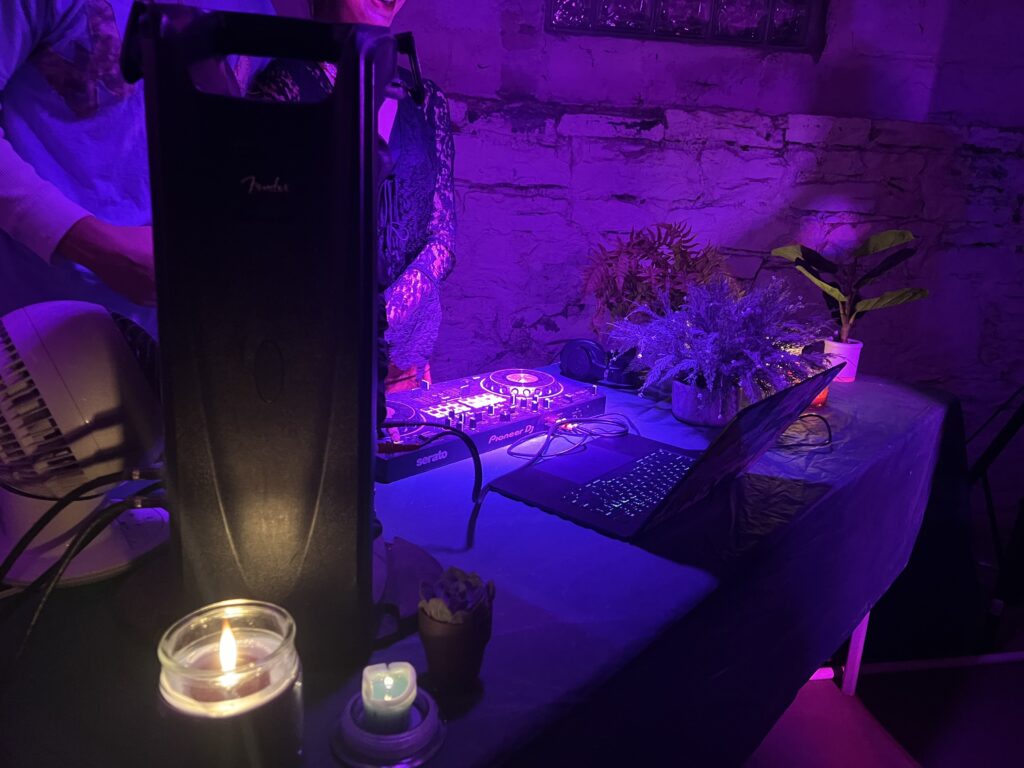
(228, 648)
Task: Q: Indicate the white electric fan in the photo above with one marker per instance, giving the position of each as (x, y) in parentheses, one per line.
(75, 404)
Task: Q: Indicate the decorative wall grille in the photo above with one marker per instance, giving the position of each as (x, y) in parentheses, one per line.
(796, 25)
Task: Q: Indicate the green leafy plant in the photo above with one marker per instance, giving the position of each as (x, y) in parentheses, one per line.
(723, 338)
(455, 596)
(842, 281)
(651, 265)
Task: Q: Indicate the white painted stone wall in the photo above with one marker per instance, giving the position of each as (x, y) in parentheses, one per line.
(913, 117)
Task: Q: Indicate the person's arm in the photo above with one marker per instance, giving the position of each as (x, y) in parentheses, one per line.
(32, 211)
(437, 259)
(120, 256)
(35, 212)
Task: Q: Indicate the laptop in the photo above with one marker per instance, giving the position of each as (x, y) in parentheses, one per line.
(628, 485)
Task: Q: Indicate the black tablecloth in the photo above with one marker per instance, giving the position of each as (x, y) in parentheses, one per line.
(603, 652)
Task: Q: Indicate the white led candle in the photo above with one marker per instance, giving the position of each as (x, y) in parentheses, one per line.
(389, 691)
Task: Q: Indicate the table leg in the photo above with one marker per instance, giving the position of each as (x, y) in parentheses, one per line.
(851, 671)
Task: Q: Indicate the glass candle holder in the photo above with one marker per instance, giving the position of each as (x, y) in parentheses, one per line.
(231, 679)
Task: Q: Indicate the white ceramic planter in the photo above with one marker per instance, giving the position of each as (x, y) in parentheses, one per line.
(844, 352)
(696, 406)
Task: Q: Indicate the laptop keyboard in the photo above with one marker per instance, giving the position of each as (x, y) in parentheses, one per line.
(634, 492)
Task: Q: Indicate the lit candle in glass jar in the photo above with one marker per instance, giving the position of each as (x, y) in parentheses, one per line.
(389, 691)
(232, 672)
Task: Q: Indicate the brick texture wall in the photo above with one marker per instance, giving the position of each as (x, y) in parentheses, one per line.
(911, 118)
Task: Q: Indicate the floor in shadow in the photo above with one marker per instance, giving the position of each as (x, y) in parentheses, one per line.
(952, 717)
(939, 718)
(825, 729)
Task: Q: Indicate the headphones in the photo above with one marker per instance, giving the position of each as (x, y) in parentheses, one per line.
(586, 360)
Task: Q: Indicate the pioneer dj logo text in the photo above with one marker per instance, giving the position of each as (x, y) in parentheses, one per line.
(255, 187)
(432, 458)
(527, 430)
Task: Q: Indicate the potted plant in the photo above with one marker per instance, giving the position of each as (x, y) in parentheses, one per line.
(455, 627)
(650, 265)
(843, 281)
(722, 347)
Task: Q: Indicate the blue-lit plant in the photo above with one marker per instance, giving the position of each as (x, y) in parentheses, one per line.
(455, 619)
(455, 596)
(657, 263)
(843, 281)
(723, 338)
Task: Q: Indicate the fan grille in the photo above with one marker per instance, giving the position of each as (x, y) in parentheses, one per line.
(33, 450)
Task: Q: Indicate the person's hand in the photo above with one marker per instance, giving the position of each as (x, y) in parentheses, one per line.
(122, 257)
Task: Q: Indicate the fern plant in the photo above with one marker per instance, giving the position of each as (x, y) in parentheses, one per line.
(842, 281)
(652, 265)
(722, 338)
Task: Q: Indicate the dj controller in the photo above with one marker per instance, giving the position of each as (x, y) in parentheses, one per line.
(494, 410)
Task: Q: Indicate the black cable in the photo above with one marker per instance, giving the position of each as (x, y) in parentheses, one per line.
(54, 573)
(587, 435)
(549, 437)
(474, 452)
(542, 452)
(36, 497)
(47, 517)
(622, 421)
(41, 579)
(478, 472)
(566, 428)
(46, 575)
(479, 490)
(52, 576)
(474, 515)
(612, 385)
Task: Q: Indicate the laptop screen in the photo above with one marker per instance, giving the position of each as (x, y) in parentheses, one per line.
(752, 431)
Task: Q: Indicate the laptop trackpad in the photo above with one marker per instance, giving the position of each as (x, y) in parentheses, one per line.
(586, 465)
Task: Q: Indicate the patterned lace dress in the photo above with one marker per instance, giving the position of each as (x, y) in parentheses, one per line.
(417, 209)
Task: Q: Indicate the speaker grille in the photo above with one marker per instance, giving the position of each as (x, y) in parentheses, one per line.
(33, 450)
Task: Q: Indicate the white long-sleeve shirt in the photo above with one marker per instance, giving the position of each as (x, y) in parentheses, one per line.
(72, 140)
